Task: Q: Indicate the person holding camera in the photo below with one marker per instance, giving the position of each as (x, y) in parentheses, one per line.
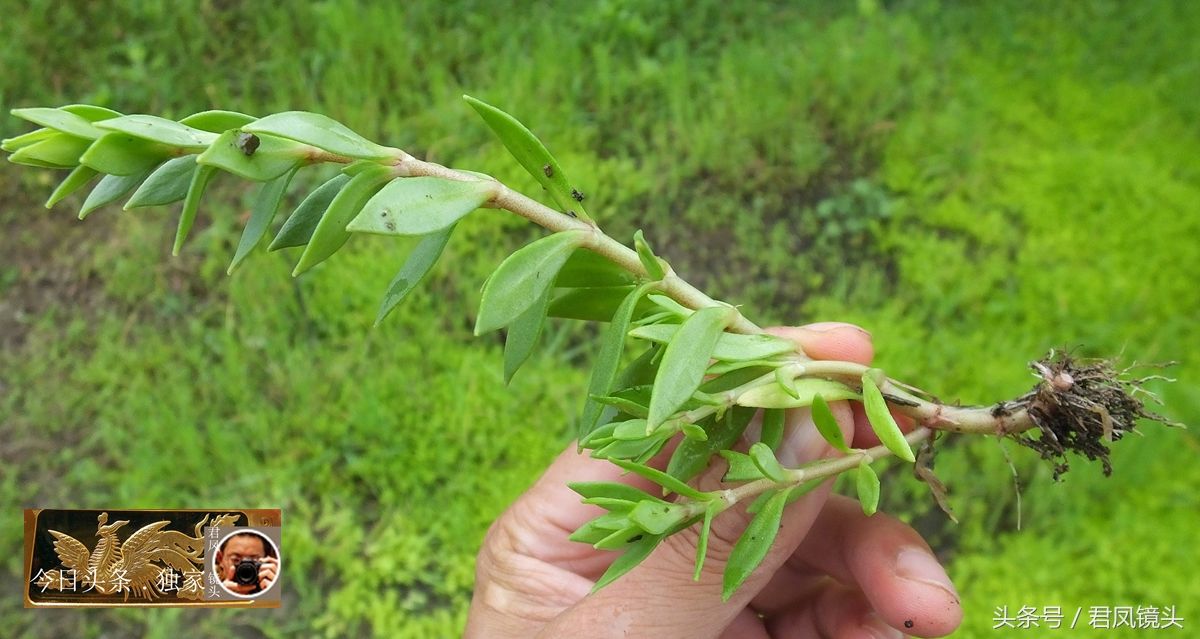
(246, 565)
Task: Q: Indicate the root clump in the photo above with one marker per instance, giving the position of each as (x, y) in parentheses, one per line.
(1082, 406)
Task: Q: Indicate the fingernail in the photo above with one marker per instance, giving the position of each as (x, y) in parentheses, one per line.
(829, 327)
(916, 564)
(875, 627)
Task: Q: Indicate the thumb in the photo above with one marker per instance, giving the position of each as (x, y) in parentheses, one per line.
(661, 593)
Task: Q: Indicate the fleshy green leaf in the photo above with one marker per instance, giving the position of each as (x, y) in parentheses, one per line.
(593, 304)
(785, 377)
(266, 204)
(741, 467)
(754, 544)
(615, 490)
(729, 347)
(594, 531)
(693, 456)
(626, 404)
(415, 268)
(650, 261)
(702, 544)
(523, 334)
(773, 395)
(827, 425)
(637, 552)
(160, 130)
(656, 516)
(269, 159)
(61, 151)
(604, 369)
(620, 538)
(191, 204)
(298, 228)
(109, 189)
(167, 184)
(867, 483)
(123, 154)
(772, 428)
(600, 436)
(588, 269)
(610, 522)
(25, 139)
(521, 279)
(764, 459)
(531, 154)
(630, 430)
(60, 120)
(217, 121)
(634, 450)
(420, 205)
(91, 112)
(766, 365)
(322, 132)
(610, 504)
(663, 479)
(76, 179)
(330, 233)
(882, 422)
(671, 305)
(684, 361)
(732, 379)
(638, 373)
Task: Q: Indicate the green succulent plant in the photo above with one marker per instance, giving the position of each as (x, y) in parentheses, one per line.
(673, 364)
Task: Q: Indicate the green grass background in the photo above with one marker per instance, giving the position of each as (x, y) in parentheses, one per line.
(973, 182)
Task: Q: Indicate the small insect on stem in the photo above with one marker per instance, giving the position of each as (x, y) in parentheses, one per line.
(548, 170)
(248, 143)
(572, 213)
(577, 195)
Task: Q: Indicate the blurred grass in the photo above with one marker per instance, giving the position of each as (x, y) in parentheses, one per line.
(973, 183)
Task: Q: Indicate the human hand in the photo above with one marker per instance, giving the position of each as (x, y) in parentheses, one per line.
(268, 568)
(832, 572)
(236, 588)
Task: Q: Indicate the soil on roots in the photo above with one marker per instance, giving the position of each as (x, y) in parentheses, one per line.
(1082, 406)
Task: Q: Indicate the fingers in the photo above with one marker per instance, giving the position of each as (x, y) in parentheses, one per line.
(661, 592)
(528, 571)
(881, 557)
(528, 568)
(267, 572)
(843, 342)
(550, 511)
(241, 589)
(830, 341)
(836, 612)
